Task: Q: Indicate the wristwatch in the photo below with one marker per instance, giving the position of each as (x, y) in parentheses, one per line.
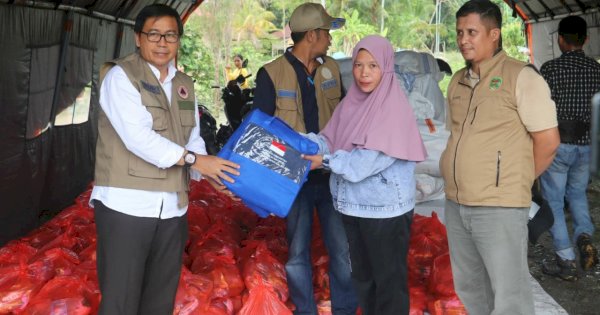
(325, 162)
(189, 159)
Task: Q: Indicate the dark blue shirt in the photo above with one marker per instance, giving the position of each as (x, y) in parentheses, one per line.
(265, 94)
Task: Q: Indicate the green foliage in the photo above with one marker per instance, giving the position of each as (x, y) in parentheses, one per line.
(221, 28)
(344, 40)
(196, 60)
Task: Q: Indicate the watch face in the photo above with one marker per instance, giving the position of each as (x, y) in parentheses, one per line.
(190, 158)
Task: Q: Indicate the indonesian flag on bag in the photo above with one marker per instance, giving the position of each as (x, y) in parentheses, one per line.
(278, 148)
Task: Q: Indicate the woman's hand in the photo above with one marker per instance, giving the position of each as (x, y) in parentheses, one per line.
(317, 161)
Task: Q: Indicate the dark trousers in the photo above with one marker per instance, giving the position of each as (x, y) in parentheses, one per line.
(378, 250)
(139, 261)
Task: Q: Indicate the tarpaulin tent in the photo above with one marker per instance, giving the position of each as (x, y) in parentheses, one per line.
(50, 57)
(541, 19)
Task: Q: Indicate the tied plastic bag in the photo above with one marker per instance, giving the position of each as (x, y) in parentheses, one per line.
(264, 301)
(272, 169)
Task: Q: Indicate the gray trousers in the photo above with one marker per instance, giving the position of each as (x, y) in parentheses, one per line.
(139, 262)
(488, 252)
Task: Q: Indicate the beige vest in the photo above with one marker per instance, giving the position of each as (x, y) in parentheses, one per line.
(289, 98)
(118, 167)
(488, 160)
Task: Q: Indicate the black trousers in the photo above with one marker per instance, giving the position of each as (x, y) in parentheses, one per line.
(378, 250)
(139, 261)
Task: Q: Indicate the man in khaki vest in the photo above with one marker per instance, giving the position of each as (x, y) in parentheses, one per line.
(148, 147)
(503, 135)
(302, 87)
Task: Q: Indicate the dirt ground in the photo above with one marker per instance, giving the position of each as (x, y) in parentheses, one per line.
(581, 297)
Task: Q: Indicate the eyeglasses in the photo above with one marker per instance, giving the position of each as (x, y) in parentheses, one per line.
(155, 37)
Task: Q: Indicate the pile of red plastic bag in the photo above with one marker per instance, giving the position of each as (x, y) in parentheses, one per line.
(233, 264)
(429, 272)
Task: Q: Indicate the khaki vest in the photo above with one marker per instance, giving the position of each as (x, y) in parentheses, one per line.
(488, 160)
(289, 98)
(118, 167)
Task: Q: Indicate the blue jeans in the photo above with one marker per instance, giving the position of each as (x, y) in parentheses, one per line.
(568, 178)
(298, 266)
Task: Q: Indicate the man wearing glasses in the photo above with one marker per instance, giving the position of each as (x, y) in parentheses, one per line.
(303, 87)
(148, 147)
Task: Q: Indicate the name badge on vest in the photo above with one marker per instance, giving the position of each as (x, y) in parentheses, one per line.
(328, 84)
(186, 105)
(151, 88)
(286, 94)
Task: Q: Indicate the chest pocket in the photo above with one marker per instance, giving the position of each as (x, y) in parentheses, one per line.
(188, 122)
(287, 100)
(287, 109)
(331, 89)
(160, 116)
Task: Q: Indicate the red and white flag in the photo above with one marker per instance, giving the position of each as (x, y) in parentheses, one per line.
(278, 148)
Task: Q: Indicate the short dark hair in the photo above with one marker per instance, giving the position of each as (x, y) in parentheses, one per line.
(486, 9)
(298, 36)
(156, 10)
(573, 29)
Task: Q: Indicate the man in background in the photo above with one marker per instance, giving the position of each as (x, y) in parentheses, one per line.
(573, 78)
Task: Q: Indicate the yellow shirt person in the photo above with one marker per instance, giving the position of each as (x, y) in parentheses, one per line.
(233, 74)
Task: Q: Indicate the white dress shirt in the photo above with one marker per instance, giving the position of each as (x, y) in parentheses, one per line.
(122, 104)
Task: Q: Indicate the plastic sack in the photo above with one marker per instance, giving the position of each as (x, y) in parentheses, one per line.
(418, 300)
(18, 284)
(64, 295)
(264, 301)
(272, 169)
(442, 284)
(447, 306)
(263, 269)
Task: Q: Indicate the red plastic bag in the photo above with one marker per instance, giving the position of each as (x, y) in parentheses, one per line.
(447, 306)
(431, 227)
(193, 292)
(322, 290)
(418, 300)
(441, 283)
(201, 190)
(18, 285)
(70, 306)
(16, 252)
(264, 269)
(264, 301)
(64, 295)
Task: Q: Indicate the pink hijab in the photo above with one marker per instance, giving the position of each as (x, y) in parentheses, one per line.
(381, 120)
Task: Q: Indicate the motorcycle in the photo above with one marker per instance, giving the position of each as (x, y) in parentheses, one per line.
(238, 102)
(208, 130)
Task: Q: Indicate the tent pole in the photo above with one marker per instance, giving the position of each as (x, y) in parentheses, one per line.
(64, 47)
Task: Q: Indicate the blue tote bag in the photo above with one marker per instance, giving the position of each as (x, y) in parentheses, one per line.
(272, 170)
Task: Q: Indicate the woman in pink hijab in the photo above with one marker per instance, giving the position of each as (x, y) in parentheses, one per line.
(371, 146)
